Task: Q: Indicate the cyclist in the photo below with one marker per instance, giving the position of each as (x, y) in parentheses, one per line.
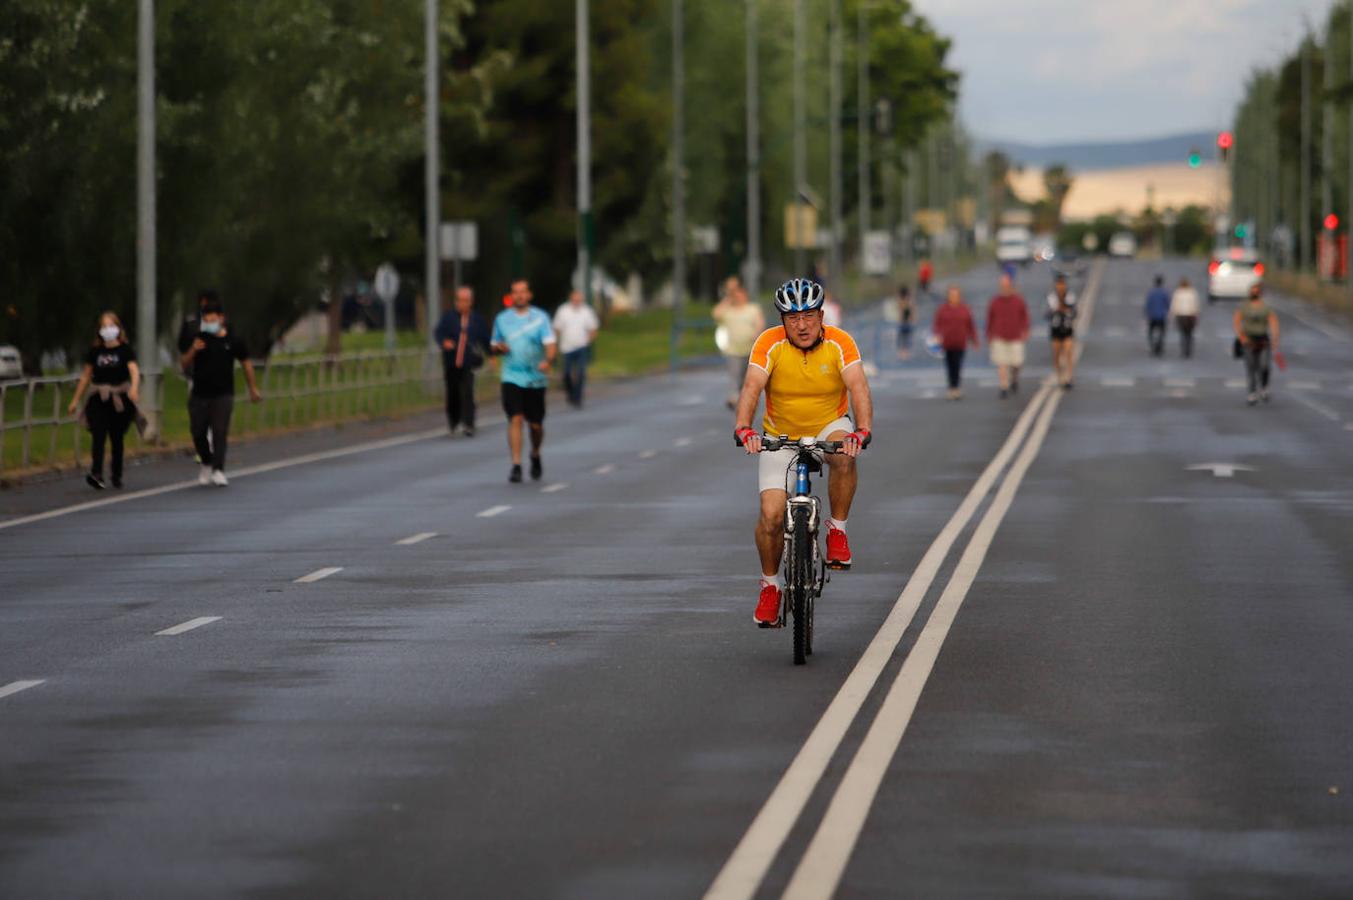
(812, 377)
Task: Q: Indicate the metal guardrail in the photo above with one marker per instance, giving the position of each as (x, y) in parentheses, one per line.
(37, 431)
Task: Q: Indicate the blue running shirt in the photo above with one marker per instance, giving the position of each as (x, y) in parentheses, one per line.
(526, 335)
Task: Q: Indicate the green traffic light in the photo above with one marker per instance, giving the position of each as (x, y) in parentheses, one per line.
(1241, 231)
(1195, 160)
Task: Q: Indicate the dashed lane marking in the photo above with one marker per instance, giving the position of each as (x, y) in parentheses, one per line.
(1236, 383)
(1118, 382)
(415, 538)
(318, 575)
(648, 454)
(682, 442)
(605, 469)
(492, 511)
(1319, 407)
(554, 488)
(15, 686)
(1304, 385)
(188, 625)
(1181, 382)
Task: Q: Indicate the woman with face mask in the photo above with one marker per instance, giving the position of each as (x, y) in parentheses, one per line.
(113, 380)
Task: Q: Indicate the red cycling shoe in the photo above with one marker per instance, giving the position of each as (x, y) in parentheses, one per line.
(767, 613)
(838, 549)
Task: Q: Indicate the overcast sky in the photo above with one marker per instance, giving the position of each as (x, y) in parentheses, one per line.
(1068, 70)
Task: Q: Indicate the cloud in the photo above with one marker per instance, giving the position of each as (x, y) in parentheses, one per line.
(1069, 69)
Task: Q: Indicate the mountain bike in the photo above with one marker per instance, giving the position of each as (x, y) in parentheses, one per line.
(805, 566)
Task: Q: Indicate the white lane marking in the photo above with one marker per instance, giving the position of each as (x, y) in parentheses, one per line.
(1115, 331)
(927, 395)
(1319, 407)
(648, 454)
(1324, 329)
(1118, 382)
(741, 875)
(820, 870)
(1179, 394)
(1181, 382)
(554, 488)
(682, 442)
(189, 625)
(15, 686)
(1236, 383)
(605, 469)
(317, 575)
(234, 474)
(1348, 427)
(492, 511)
(415, 538)
(1220, 470)
(1304, 385)
(695, 400)
(746, 867)
(988, 383)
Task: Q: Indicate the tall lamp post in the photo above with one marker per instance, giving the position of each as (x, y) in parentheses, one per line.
(432, 175)
(753, 269)
(147, 346)
(585, 232)
(678, 178)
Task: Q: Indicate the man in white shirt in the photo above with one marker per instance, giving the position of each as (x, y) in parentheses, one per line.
(576, 325)
(1184, 308)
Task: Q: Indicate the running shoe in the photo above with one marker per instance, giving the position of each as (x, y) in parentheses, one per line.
(767, 613)
(204, 475)
(218, 478)
(536, 468)
(515, 476)
(94, 481)
(838, 549)
(1252, 399)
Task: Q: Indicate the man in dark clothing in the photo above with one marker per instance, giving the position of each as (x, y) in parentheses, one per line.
(1157, 314)
(210, 363)
(462, 335)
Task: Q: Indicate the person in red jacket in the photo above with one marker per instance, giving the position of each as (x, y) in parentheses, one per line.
(1007, 332)
(955, 330)
(923, 276)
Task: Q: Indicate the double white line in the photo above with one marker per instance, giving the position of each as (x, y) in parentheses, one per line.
(820, 869)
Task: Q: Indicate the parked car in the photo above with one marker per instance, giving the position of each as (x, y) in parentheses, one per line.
(11, 364)
(1232, 272)
(1123, 245)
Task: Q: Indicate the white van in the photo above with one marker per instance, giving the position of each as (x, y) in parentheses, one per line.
(1014, 244)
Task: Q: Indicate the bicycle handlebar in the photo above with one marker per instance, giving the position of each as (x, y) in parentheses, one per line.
(770, 443)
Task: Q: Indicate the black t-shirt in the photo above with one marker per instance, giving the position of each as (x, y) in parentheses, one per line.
(213, 371)
(187, 331)
(110, 364)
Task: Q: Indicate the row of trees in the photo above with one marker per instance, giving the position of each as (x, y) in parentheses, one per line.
(290, 143)
(1290, 165)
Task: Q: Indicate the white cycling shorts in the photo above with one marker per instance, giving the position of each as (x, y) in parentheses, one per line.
(774, 471)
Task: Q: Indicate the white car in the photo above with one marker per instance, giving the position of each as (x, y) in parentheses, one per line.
(1123, 245)
(1232, 273)
(1014, 244)
(11, 365)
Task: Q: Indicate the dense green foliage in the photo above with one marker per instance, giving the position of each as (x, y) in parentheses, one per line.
(290, 144)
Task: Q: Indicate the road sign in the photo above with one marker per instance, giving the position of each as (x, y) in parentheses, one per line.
(800, 226)
(460, 241)
(387, 283)
(878, 253)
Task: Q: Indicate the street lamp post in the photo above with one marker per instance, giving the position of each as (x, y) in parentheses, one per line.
(862, 132)
(1304, 166)
(431, 174)
(584, 75)
(753, 271)
(800, 136)
(834, 132)
(678, 177)
(147, 344)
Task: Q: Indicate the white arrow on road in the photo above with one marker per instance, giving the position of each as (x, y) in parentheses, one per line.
(1221, 470)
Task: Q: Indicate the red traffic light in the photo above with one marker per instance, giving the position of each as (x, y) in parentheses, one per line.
(1331, 222)
(1225, 140)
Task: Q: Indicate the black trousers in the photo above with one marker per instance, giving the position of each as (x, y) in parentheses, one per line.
(210, 414)
(953, 364)
(1155, 335)
(460, 408)
(1186, 325)
(107, 425)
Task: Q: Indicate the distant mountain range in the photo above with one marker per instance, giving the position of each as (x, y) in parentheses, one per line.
(1089, 157)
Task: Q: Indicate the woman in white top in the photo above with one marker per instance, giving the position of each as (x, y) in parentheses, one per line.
(1184, 308)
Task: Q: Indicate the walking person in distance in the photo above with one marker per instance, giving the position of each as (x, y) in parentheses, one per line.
(1256, 327)
(464, 338)
(576, 326)
(1062, 332)
(955, 329)
(1184, 307)
(906, 315)
(113, 380)
(1007, 333)
(740, 321)
(1157, 313)
(523, 337)
(210, 362)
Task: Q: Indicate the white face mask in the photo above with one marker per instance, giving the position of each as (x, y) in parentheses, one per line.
(211, 327)
(109, 332)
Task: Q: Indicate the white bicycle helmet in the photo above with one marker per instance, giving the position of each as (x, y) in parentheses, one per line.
(799, 295)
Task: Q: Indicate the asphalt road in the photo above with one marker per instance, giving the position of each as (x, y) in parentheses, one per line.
(1101, 672)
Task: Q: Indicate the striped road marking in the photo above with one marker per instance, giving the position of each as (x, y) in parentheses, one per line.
(189, 625)
(416, 538)
(15, 686)
(317, 575)
(492, 511)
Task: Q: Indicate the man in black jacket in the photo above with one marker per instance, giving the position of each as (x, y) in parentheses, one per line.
(463, 337)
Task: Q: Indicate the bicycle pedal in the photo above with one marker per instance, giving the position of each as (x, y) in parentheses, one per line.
(770, 625)
(839, 566)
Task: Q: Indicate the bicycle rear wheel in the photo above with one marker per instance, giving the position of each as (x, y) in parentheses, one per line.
(800, 587)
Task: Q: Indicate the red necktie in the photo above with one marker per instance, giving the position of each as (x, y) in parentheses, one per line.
(460, 344)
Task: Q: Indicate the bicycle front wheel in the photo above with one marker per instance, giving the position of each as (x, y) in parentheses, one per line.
(801, 587)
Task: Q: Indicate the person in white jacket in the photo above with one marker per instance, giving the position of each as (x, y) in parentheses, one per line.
(1184, 308)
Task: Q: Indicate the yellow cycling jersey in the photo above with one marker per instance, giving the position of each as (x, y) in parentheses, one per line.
(806, 392)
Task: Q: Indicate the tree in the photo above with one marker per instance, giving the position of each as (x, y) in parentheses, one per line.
(1057, 181)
